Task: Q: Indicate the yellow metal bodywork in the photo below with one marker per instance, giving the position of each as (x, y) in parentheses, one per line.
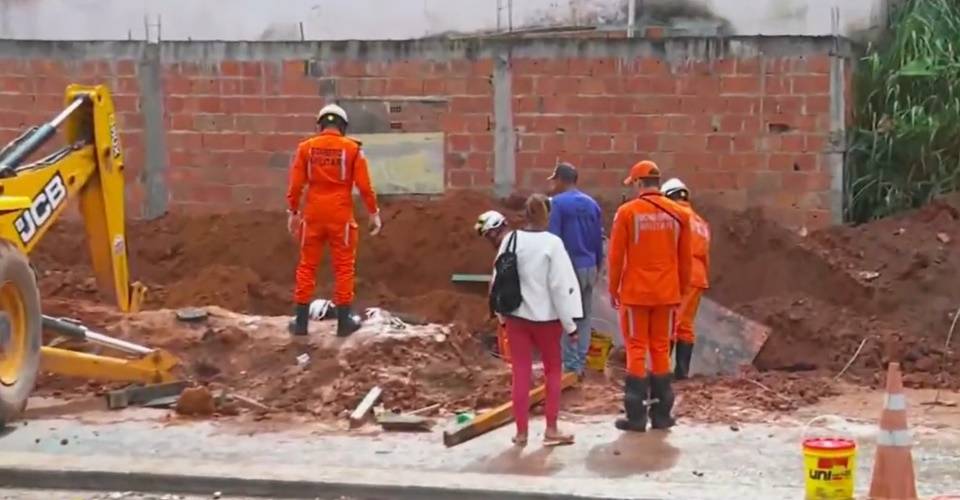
(92, 172)
(155, 367)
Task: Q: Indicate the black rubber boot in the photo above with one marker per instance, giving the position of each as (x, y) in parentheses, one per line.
(684, 353)
(347, 322)
(660, 412)
(301, 317)
(635, 392)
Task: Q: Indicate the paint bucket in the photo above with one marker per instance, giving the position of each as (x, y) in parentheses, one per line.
(600, 344)
(829, 465)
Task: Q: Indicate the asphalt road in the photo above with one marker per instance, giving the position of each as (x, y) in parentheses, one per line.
(8, 494)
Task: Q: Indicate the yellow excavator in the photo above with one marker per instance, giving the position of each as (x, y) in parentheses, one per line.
(33, 195)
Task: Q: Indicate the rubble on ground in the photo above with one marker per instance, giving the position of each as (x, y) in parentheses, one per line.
(812, 290)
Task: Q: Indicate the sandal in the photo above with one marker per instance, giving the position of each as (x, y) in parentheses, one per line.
(519, 440)
(557, 439)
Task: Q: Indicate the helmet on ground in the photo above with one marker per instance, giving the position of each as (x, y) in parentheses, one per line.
(488, 221)
(675, 188)
(330, 111)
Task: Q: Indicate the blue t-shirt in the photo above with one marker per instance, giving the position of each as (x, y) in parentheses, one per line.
(576, 218)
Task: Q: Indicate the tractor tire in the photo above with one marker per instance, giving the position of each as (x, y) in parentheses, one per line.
(20, 332)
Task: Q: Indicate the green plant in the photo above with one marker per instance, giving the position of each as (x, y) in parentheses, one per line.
(905, 142)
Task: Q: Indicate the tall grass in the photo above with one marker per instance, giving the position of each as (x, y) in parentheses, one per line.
(905, 142)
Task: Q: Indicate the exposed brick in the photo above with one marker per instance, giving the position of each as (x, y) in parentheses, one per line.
(749, 66)
(696, 160)
(647, 85)
(470, 104)
(223, 141)
(458, 143)
(529, 143)
(789, 105)
(598, 143)
(684, 143)
(719, 143)
(816, 104)
(805, 182)
(793, 162)
(699, 85)
(482, 143)
(776, 85)
(460, 178)
(819, 63)
(811, 84)
(792, 143)
(740, 84)
(624, 143)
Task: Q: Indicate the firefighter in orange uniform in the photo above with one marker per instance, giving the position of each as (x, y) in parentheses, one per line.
(328, 165)
(649, 263)
(677, 191)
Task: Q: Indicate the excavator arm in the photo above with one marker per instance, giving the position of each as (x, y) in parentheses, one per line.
(33, 195)
(89, 169)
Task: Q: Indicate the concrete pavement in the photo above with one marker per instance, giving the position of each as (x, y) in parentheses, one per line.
(694, 461)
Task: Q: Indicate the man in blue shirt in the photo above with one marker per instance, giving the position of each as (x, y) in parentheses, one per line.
(576, 218)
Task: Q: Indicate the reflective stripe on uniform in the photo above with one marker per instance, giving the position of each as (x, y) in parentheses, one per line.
(630, 327)
(636, 229)
(895, 402)
(346, 234)
(343, 164)
(894, 438)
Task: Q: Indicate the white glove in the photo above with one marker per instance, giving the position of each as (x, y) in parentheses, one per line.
(376, 224)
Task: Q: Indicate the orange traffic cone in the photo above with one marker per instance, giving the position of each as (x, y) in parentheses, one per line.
(893, 476)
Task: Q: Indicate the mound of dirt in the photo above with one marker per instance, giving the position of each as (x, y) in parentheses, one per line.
(245, 261)
(871, 294)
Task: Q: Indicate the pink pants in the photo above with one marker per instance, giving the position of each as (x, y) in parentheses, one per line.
(523, 336)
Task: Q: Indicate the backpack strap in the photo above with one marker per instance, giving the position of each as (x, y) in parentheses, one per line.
(512, 242)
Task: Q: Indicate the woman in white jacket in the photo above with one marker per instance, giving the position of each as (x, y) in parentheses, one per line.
(545, 318)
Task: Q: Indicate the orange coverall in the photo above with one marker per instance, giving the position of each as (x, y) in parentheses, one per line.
(700, 250)
(649, 264)
(328, 165)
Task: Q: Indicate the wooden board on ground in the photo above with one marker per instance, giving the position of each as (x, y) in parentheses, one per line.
(501, 415)
(470, 278)
(140, 394)
(360, 413)
(404, 423)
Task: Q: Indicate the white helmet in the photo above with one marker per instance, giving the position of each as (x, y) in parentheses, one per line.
(333, 109)
(673, 187)
(489, 220)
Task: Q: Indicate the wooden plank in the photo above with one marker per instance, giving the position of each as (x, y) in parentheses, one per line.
(471, 278)
(499, 416)
(408, 423)
(362, 409)
(140, 394)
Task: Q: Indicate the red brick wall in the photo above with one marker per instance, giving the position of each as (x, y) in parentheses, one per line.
(747, 131)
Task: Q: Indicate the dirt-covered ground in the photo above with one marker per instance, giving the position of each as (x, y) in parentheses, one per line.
(886, 288)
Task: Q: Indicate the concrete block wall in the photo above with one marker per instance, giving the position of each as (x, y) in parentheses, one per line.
(210, 126)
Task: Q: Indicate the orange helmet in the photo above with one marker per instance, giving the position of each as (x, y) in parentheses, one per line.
(645, 169)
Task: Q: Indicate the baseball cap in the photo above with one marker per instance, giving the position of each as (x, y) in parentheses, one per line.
(645, 169)
(564, 171)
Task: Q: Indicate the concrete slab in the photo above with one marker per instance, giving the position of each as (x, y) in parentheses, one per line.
(694, 461)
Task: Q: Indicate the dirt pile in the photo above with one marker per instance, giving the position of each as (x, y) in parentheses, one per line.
(882, 291)
(886, 289)
(245, 261)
